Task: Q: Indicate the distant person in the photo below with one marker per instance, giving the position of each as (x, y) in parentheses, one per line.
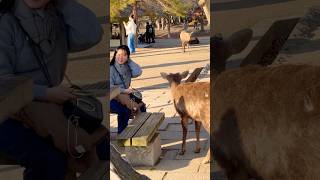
(185, 25)
(131, 28)
(140, 39)
(148, 33)
(152, 32)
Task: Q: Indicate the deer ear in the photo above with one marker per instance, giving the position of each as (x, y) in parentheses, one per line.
(239, 40)
(163, 75)
(184, 74)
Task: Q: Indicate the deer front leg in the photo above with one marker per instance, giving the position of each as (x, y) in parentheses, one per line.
(197, 125)
(182, 45)
(184, 123)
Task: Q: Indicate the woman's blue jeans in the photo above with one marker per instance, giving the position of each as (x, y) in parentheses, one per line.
(42, 161)
(131, 43)
(123, 114)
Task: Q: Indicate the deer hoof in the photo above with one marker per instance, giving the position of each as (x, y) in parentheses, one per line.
(197, 150)
(182, 152)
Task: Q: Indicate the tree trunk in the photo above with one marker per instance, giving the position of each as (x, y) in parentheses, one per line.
(111, 30)
(185, 25)
(201, 21)
(168, 25)
(122, 34)
(163, 23)
(135, 14)
(158, 22)
(205, 4)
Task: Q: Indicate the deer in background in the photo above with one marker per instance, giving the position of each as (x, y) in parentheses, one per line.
(185, 38)
(191, 100)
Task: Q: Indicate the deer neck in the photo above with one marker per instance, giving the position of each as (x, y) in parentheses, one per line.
(173, 86)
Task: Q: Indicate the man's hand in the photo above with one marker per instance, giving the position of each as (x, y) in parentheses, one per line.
(58, 94)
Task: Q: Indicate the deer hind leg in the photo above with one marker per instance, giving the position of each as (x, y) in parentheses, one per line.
(197, 125)
(183, 46)
(184, 123)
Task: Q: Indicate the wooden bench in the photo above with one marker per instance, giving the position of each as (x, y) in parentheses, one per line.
(141, 140)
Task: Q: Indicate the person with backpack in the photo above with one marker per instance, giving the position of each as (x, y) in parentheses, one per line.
(153, 35)
(52, 28)
(148, 34)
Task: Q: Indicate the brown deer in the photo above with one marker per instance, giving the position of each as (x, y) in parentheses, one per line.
(185, 38)
(265, 120)
(191, 100)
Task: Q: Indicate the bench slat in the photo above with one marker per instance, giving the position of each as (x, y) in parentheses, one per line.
(124, 138)
(148, 129)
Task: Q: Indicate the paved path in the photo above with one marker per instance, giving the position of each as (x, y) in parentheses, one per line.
(157, 95)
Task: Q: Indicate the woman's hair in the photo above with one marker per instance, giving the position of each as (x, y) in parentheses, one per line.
(123, 47)
(6, 6)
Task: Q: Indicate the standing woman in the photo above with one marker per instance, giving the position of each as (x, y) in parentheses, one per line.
(122, 70)
(131, 32)
(55, 27)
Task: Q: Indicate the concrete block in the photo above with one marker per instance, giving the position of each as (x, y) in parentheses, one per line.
(145, 156)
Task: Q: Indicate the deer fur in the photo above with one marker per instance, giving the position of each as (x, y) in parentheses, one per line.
(266, 120)
(185, 37)
(191, 101)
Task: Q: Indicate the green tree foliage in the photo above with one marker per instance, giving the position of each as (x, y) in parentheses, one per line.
(118, 8)
(175, 7)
